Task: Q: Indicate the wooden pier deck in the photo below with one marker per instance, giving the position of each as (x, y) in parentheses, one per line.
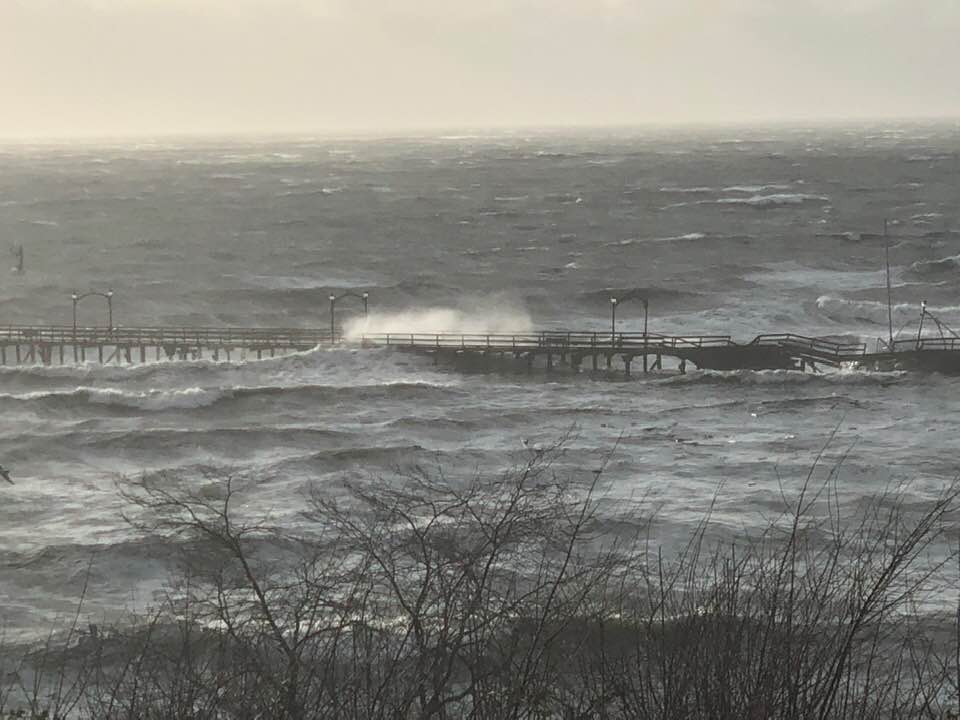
(61, 345)
(574, 349)
(624, 352)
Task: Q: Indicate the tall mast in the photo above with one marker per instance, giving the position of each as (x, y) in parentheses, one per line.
(886, 249)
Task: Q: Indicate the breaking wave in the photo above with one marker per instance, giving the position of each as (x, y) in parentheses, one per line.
(873, 312)
(761, 202)
(672, 238)
(783, 377)
(776, 200)
(148, 400)
(703, 189)
(155, 400)
(926, 268)
(195, 372)
(687, 236)
(688, 190)
(755, 188)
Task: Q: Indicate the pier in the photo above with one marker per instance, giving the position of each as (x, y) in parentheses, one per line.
(645, 352)
(628, 353)
(62, 345)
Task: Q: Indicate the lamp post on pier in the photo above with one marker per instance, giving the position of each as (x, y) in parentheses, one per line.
(333, 303)
(613, 321)
(613, 316)
(923, 314)
(77, 299)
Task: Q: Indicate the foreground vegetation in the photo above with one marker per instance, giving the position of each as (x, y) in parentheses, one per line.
(515, 597)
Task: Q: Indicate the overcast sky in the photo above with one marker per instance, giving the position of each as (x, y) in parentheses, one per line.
(108, 67)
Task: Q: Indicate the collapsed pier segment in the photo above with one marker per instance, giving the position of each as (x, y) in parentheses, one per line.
(597, 350)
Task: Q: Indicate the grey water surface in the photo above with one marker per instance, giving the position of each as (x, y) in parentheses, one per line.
(729, 231)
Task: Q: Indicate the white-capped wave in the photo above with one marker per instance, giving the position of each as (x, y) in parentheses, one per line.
(323, 364)
(760, 202)
(874, 311)
(796, 275)
(671, 238)
(848, 376)
(775, 200)
(185, 398)
(190, 398)
(755, 189)
(949, 264)
(699, 190)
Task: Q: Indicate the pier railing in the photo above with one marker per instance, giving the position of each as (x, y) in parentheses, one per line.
(815, 347)
(558, 340)
(68, 335)
(927, 343)
(40, 343)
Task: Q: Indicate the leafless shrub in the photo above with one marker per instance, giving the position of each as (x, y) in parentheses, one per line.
(514, 597)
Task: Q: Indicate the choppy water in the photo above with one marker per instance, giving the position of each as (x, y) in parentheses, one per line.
(730, 231)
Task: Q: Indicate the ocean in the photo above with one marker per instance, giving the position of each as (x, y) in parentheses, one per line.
(724, 231)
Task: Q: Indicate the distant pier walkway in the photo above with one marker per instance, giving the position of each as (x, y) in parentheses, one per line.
(61, 345)
(629, 351)
(623, 352)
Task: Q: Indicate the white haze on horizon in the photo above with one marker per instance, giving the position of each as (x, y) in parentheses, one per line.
(128, 67)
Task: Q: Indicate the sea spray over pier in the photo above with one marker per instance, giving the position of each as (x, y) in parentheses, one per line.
(488, 318)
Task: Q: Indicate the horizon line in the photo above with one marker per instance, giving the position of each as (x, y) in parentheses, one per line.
(468, 131)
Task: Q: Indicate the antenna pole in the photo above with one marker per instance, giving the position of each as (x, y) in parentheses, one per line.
(886, 248)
